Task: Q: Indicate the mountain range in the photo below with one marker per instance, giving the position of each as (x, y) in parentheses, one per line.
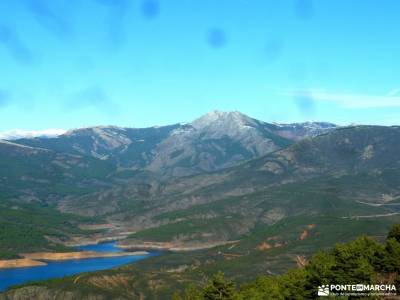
(214, 141)
(251, 197)
(87, 159)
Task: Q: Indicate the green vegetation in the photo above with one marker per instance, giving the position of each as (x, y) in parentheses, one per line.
(190, 229)
(276, 212)
(362, 261)
(42, 174)
(394, 233)
(158, 277)
(217, 207)
(216, 288)
(31, 227)
(325, 199)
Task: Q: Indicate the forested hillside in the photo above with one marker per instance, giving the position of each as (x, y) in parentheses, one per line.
(362, 261)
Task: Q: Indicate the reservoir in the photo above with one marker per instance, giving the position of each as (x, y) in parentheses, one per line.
(58, 269)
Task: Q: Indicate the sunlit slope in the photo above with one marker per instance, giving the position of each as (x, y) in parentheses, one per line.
(29, 173)
(346, 173)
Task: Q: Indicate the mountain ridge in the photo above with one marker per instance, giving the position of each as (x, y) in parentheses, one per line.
(213, 141)
(14, 134)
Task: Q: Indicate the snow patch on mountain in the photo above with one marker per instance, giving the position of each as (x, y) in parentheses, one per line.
(15, 134)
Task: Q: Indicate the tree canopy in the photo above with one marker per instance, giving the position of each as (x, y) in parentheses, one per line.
(362, 260)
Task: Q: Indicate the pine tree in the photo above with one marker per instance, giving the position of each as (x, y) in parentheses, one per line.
(218, 288)
(394, 233)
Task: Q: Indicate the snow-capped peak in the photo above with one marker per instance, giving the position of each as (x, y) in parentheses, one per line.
(222, 118)
(15, 134)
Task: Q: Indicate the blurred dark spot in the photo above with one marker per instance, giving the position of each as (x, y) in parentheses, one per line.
(216, 38)
(93, 96)
(117, 10)
(50, 19)
(304, 9)
(4, 98)
(305, 103)
(10, 40)
(274, 49)
(150, 8)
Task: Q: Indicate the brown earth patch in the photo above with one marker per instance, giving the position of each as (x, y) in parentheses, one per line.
(77, 255)
(303, 235)
(20, 263)
(306, 232)
(311, 226)
(264, 246)
(171, 246)
(110, 281)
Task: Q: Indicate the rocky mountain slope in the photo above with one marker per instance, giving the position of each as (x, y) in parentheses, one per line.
(259, 217)
(214, 141)
(36, 174)
(114, 173)
(348, 172)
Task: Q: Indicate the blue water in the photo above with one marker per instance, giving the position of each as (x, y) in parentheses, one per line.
(101, 247)
(10, 277)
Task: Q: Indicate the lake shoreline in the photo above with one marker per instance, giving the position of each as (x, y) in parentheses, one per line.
(20, 263)
(169, 246)
(40, 266)
(40, 258)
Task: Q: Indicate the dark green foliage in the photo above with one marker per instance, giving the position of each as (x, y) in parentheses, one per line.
(395, 233)
(294, 283)
(392, 259)
(291, 285)
(41, 174)
(191, 293)
(190, 229)
(360, 261)
(24, 228)
(263, 288)
(218, 288)
(354, 262)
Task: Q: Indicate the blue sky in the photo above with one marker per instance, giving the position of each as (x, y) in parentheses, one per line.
(74, 63)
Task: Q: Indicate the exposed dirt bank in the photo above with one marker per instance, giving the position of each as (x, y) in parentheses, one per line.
(108, 232)
(77, 255)
(92, 240)
(170, 246)
(20, 263)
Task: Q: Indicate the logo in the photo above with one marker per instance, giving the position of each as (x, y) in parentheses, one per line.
(357, 290)
(323, 290)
